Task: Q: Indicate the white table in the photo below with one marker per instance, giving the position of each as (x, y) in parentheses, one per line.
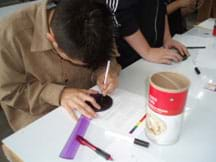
(197, 142)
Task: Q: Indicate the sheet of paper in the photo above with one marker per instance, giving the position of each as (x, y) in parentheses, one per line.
(44, 139)
(207, 24)
(127, 110)
(122, 151)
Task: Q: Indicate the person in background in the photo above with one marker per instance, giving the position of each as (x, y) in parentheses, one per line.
(207, 10)
(143, 32)
(177, 10)
(51, 53)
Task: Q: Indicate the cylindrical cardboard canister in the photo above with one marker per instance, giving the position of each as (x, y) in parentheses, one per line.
(166, 102)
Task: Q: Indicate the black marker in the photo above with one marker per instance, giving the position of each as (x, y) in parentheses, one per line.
(197, 70)
(141, 142)
(196, 47)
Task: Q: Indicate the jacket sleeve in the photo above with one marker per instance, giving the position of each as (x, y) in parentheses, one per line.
(127, 21)
(29, 96)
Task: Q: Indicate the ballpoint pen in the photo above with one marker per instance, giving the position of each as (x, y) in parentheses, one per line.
(99, 151)
(107, 72)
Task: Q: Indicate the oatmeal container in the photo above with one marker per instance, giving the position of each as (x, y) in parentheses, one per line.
(166, 101)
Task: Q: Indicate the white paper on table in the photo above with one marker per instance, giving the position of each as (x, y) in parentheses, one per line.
(122, 151)
(207, 24)
(191, 40)
(127, 110)
(207, 59)
(44, 139)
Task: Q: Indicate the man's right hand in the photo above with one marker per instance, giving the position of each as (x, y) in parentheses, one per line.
(74, 99)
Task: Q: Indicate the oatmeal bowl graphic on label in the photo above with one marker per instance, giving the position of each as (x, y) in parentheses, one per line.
(154, 125)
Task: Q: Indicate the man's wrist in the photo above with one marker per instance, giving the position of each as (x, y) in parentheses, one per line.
(145, 53)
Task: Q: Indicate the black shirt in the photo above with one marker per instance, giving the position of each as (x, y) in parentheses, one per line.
(148, 16)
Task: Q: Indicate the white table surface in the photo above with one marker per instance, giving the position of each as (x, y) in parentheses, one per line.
(197, 142)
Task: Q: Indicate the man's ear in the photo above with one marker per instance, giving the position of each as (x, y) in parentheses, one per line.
(51, 38)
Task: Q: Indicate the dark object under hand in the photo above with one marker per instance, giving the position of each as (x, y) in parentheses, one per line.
(104, 101)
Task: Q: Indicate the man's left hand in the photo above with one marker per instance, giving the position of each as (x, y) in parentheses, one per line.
(171, 43)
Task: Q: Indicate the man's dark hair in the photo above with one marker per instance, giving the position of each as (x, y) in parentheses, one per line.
(84, 30)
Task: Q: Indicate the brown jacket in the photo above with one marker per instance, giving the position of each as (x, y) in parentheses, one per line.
(32, 75)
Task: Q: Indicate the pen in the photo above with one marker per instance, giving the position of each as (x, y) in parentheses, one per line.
(107, 72)
(196, 47)
(137, 124)
(100, 152)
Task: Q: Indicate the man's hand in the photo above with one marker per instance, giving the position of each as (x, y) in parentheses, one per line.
(110, 86)
(74, 99)
(162, 56)
(171, 43)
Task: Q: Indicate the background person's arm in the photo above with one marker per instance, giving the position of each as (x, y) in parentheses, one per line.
(129, 30)
(158, 55)
(173, 6)
(178, 4)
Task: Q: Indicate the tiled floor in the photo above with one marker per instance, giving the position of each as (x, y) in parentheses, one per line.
(4, 132)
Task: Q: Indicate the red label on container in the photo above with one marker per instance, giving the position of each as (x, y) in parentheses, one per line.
(167, 103)
(214, 31)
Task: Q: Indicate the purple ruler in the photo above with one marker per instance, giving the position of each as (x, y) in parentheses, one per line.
(72, 145)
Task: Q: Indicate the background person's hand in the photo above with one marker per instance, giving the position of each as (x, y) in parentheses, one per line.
(74, 99)
(111, 84)
(162, 56)
(192, 7)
